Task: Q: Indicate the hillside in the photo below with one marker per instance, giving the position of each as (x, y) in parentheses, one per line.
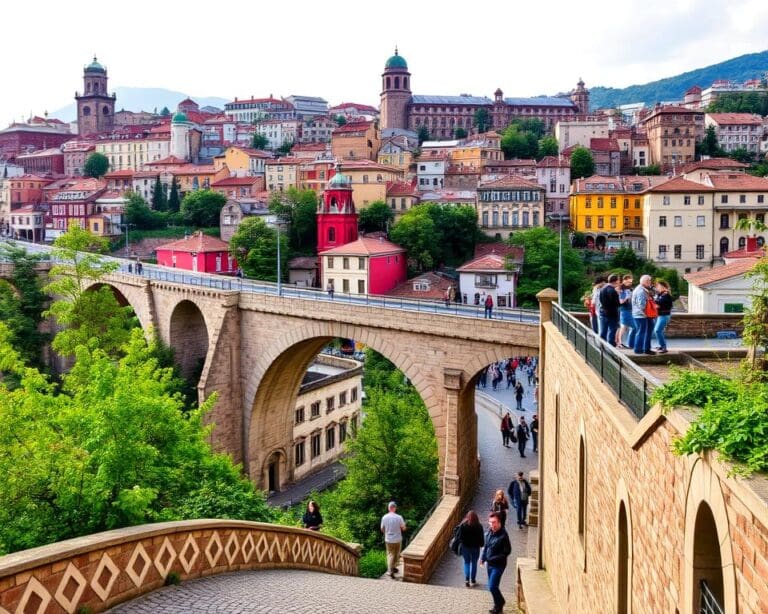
(750, 66)
(144, 99)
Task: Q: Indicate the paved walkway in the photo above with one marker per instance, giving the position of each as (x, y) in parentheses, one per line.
(299, 592)
(316, 482)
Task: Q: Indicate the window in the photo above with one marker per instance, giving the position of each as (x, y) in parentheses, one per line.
(599, 202)
(699, 252)
(588, 203)
(723, 245)
(314, 409)
(700, 200)
(330, 261)
(725, 220)
(678, 252)
(678, 220)
(600, 222)
(298, 453)
(330, 404)
(331, 234)
(662, 221)
(613, 202)
(353, 395)
(665, 200)
(742, 199)
(724, 198)
(345, 286)
(637, 203)
(637, 222)
(345, 263)
(626, 203)
(662, 252)
(733, 308)
(315, 445)
(299, 414)
(361, 286)
(760, 199)
(342, 432)
(613, 222)
(626, 222)
(742, 242)
(588, 222)
(330, 438)
(701, 220)
(342, 398)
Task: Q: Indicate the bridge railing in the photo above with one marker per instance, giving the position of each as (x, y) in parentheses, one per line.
(632, 385)
(96, 572)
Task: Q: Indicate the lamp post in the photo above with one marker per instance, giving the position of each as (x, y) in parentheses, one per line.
(279, 267)
(127, 226)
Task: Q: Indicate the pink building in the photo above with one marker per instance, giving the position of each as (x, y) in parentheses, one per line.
(199, 253)
(365, 266)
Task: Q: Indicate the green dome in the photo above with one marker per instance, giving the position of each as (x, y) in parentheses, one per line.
(396, 61)
(95, 66)
(179, 118)
(339, 180)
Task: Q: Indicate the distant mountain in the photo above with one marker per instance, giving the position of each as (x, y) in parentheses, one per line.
(750, 66)
(144, 99)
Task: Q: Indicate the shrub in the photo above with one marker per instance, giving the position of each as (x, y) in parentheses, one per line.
(373, 564)
(696, 388)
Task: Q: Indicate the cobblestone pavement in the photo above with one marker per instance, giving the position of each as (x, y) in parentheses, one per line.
(297, 592)
(498, 465)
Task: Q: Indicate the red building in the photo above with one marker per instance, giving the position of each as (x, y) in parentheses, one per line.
(43, 162)
(239, 187)
(199, 253)
(337, 218)
(71, 200)
(366, 266)
(27, 190)
(38, 133)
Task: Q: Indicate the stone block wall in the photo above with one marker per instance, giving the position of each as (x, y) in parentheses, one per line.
(692, 325)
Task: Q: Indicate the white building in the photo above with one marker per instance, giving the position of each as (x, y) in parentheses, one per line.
(724, 289)
(570, 133)
(489, 274)
(430, 171)
(308, 106)
(278, 132)
(736, 130)
(554, 175)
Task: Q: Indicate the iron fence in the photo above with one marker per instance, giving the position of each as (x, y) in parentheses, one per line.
(708, 603)
(632, 385)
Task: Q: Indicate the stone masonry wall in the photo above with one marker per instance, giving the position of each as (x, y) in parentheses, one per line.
(690, 325)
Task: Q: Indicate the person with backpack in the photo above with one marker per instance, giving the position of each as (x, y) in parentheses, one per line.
(519, 492)
(488, 307)
(470, 537)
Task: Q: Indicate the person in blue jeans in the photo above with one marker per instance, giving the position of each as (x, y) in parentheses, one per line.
(495, 553)
(471, 539)
(625, 314)
(664, 303)
(640, 296)
(519, 492)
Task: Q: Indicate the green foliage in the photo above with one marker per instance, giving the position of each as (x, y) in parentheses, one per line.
(375, 217)
(259, 141)
(298, 209)
(740, 102)
(760, 170)
(174, 203)
(540, 266)
(435, 235)
(285, 148)
(173, 579)
(582, 163)
(694, 388)
(254, 245)
(651, 169)
(460, 133)
(138, 213)
(423, 134)
(481, 120)
(373, 564)
(159, 198)
(340, 120)
(547, 147)
(756, 317)
(742, 155)
(516, 143)
(202, 207)
(625, 259)
(709, 145)
(96, 165)
(165, 112)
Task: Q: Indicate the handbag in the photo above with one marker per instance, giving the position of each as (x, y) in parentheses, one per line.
(651, 308)
(455, 542)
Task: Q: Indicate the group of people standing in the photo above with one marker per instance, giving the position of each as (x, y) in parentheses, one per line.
(627, 317)
(519, 434)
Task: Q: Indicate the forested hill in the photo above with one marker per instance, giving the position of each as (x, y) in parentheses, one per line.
(750, 66)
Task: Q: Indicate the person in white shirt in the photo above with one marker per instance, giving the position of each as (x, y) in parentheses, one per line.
(392, 525)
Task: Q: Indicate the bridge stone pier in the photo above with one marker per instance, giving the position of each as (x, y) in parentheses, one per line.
(255, 348)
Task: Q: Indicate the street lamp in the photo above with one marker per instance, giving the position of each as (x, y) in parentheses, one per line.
(559, 217)
(279, 218)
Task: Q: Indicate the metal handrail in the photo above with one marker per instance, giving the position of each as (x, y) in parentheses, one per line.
(708, 603)
(632, 384)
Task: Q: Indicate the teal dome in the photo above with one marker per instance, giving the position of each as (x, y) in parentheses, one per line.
(179, 118)
(95, 66)
(339, 180)
(396, 61)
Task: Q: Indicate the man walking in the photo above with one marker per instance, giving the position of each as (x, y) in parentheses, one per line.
(609, 309)
(519, 492)
(522, 436)
(489, 307)
(535, 432)
(495, 553)
(519, 395)
(643, 331)
(506, 429)
(392, 525)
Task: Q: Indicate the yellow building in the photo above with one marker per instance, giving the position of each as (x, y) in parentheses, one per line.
(369, 180)
(356, 140)
(125, 154)
(192, 177)
(395, 152)
(609, 210)
(242, 161)
(477, 152)
(283, 173)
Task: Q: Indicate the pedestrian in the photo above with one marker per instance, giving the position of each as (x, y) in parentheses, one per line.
(392, 525)
(471, 539)
(519, 492)
(130, 267)
(609, 309)
(627, 323)
(506, 429)
(312, 518)
(641, 296)
(519, 392)
(139, 267)
(329, 288)
(239, 272)
(522, 434)
(535, 432)
(495, 553)
(664, 304)
(599, 283)
(510, 378)
(483, 379)
(447, 297)
(590, 307)
(500, 505)
(488, 307)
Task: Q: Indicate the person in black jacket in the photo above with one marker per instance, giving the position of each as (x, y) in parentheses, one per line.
(471, 539)
(495, 553)
(609, 309)
(312, 518)
(664, 303)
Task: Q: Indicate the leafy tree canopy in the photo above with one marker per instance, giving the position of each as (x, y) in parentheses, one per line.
(547, 147)
(259, 141)
(174, 203)
(423, 134)
(202, 208)
(582, 163)
(96, 165)
(254, 245)
(297, 209)
(376, 217)
(481, 120)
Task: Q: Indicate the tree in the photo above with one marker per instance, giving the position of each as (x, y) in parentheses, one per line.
(709, 145)
(481, 120)
(297, 209)
(138, 213)
(254, 245)
(376, 217)
(96, 165)
(423, 134)
(174, 203)
(285, 148)
(519, 142)
(460, 133)
(651, 169)
(89, 313)
(202, 208)
(159, 199)
(340, 120)
(540, 266)
(165, 112)
(742, 155)
(582, 163)
(548, 147)
(259, 141)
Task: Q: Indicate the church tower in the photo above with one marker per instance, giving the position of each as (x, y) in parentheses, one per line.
(180, 142)
(395, 93)
(580, 97)
(95, 107)
(336, 215)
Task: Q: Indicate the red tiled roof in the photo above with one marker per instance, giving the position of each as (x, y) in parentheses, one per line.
(515, 253)
(489, 262)
(736, 118)
(365, 246)
(168, 160)
(551, 161)
(714, 164)
(671, 108)
(603, 144)
(195, 169)
(228, 181)
(398, 188)
(354, 105)
(352, 127)
(679, 184)
(438, 284)
(118, 174)
(721, 273)
(285, 161)
(309, 147)
(198, 242)
(737, 182)
(112, 194)
(510, 181)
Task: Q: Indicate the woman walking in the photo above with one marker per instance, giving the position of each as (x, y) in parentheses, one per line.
(312, 518)
(519, 395)
(471, 538)
(500, 505)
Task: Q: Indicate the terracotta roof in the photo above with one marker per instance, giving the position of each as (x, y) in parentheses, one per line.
(398, 188)
(365, 246)
(227, 181)
(737, 182)
(736, 118)
(198, 242)
(670, 108)
(514, 163)
(351, 165)
(145, 174)
(354, 105)
(285, 161)
(714, 164)
(515, 253)
(309, 147)
(118, 174)
(195, 169)
(303, 262)
(510, 181)
(721, 273)
(168, 160)
(679, 184)
(111, 195)
(603, 144)
(352, 127)
(489, 262)
(437, 283)
(550, 161)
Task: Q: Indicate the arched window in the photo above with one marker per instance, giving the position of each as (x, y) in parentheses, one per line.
(742, 242)
(723, 245)
(88, 88)
(397, 83)
(405, 83)
(623, 569)
(331, 234)
(707, 563)
(86, 111)
(105, 110)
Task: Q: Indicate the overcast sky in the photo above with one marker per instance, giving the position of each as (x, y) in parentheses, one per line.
(337, 49)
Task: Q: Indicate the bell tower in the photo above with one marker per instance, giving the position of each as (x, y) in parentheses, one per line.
(336, 216)
(580, 97)
(95, 106)
(395, 93)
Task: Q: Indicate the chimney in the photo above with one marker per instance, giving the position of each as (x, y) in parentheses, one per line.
(751, 244)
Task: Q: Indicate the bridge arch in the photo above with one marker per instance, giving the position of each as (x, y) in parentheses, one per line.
(188, 336)
(127, 296)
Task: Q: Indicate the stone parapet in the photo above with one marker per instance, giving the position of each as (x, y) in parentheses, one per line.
(426, 551)
(692, 325)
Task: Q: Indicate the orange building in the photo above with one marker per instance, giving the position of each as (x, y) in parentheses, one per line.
(356, 140)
